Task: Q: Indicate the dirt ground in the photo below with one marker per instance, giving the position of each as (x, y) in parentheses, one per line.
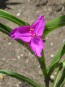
(14, 56)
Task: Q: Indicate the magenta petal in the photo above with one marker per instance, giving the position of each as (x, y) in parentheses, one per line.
(39, 26)
(22, 33)
(37, 46)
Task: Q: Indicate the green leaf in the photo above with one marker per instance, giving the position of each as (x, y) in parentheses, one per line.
(12, 18)
(63, 83)
(4, 31)
(20, 77)
(57, 76)
(5, 28)
(62, 79)
(50, 26)
(56, 59)
(63, 63)
(54, 24)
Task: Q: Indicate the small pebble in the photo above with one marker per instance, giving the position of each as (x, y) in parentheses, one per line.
(51, 44)
(18, 57)
(2, 76)
(18, 14)
(52, 77)
(28, 0)
(9, 43)
(52, 55)
(21, 55)
(17, 85)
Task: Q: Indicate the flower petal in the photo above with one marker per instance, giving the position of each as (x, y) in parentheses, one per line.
(37, 46)
(22, 33)
(39, 26)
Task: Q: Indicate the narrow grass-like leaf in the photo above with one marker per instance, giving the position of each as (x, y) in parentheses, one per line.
(63, 83)
(63, 63)
(5, 28)
(57, 76)
(50, 26)
(20, 77)
(12, 18)
(62, 80)
(54, 24)
(56, 59)
(4, 31)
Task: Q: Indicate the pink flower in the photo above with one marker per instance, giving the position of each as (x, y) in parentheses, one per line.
(31, 34)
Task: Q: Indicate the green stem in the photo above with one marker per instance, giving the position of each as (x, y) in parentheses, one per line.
(20, 77)
(61, 82)
(44, 70)
(57, 76)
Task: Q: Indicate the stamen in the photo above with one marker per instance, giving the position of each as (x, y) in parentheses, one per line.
(34, 34)
(31, 34)
(31, 29)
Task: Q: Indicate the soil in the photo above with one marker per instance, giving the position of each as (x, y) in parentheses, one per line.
(16, 57)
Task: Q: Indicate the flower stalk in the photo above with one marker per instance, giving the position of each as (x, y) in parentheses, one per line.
(44, 70)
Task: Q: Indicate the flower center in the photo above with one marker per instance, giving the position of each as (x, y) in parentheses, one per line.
(32, 33)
